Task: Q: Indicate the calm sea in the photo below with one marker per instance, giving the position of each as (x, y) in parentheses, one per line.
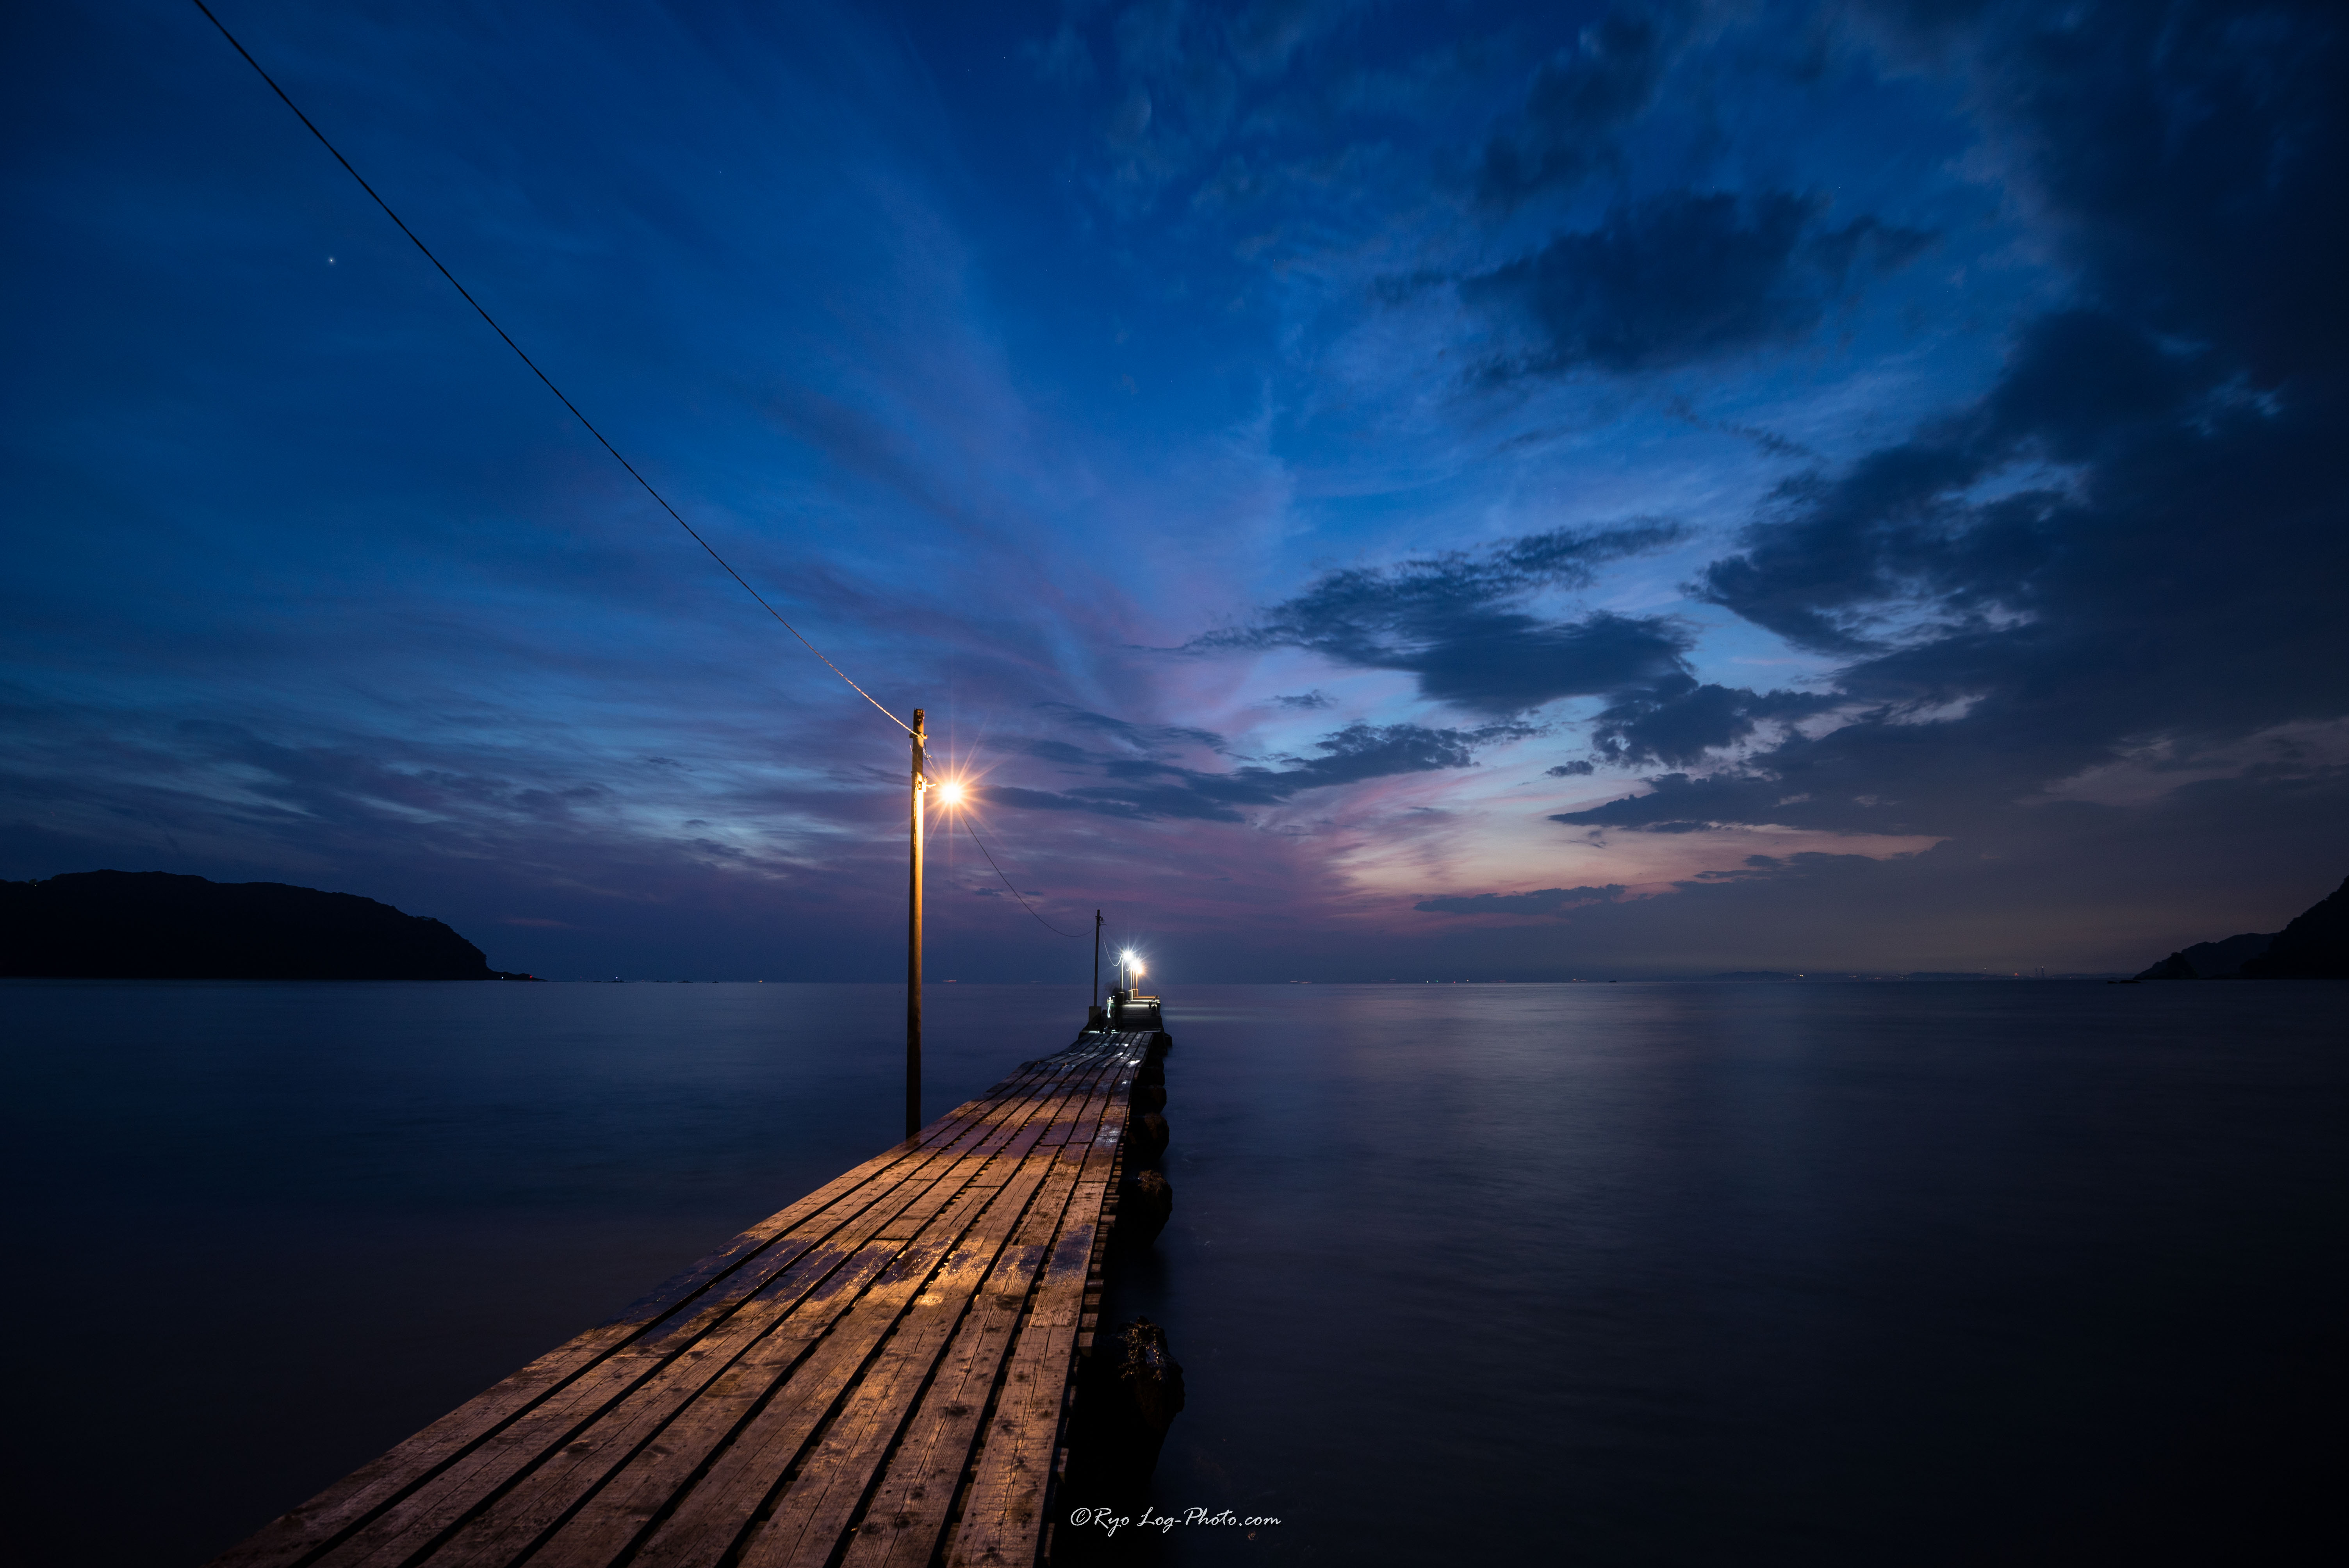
(1655, 1273)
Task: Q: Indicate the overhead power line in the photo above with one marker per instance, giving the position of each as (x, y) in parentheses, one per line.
(542, 375)
(1008, 882)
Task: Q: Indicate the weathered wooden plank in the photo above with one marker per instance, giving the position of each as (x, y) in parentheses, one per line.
(549, 1471)
(301, 1534)
(1003, 1519)
(816, 1510)
(908, 1511)
(542, 1498)
(881, 1168)
(761, 1446)
(846, 1344)
(749, 1426)
(829, 1491)
(535, 1472)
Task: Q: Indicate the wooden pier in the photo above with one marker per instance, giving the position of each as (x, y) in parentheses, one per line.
(882, 1373)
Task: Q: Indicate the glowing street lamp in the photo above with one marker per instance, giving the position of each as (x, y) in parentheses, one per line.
(950, 794)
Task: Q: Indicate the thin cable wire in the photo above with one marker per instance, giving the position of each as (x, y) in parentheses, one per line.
(542, 375)
(1007, 882)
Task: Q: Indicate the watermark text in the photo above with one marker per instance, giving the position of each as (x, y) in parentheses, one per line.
(1108, 1520)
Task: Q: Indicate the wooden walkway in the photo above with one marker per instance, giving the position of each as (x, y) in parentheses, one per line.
(882, 1373)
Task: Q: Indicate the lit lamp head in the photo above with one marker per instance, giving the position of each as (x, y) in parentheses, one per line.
(950, 792)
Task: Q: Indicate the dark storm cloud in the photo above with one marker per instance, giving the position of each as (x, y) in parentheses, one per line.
(1677, 720)
(1676, 803)
(1556, 901)
(2131, 546)
(2124, 550)
(1448, 620)
(1899, 530)
(1504, 663)
(1145, 788)
(1575, 103)
(1682, 277)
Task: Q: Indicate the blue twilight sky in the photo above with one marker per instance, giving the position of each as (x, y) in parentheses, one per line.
(1367, 490)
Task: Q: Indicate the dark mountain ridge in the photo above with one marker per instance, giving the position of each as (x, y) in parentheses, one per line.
(158, 925)
(2211, 960)
(2314, 946)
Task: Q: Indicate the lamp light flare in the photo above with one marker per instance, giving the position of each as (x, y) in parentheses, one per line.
(950, 792)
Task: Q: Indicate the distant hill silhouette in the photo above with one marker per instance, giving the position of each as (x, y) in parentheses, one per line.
(155, 925)
(2316, 946)
(2211, 960)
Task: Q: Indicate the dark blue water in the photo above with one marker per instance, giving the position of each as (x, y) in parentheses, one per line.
(1613, 1274)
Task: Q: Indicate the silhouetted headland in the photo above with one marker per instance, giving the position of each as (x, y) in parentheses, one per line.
(156, 925)
(2316, 946)
(2211, 960)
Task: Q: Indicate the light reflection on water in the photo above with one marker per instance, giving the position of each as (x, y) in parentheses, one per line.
(1636, 1273)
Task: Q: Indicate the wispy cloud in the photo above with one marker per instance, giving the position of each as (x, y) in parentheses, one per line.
(1144, 787)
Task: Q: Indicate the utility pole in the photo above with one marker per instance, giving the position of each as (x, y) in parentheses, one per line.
(913, 945)
(1097, 925)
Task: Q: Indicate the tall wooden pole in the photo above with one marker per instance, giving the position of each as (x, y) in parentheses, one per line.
(914, 947)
